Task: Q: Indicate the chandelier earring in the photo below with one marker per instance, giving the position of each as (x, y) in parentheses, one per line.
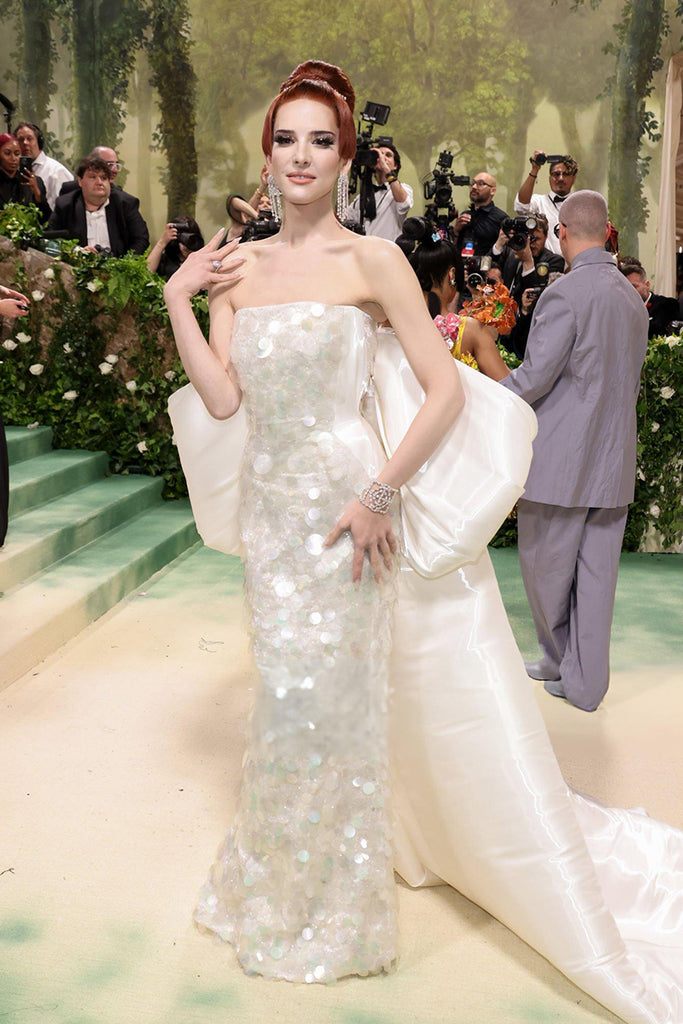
(275, 196)
(343, 196)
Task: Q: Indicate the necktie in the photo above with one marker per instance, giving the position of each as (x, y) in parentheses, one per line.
(379, 188)
(558, 199)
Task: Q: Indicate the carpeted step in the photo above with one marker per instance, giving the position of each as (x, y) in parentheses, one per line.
(53, 607)
(36, 480)
(24, 443)
(47, 533)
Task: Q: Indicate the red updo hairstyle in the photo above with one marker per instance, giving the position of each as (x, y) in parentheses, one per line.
(319, 81)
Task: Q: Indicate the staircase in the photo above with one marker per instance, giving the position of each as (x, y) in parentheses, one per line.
(77, 543)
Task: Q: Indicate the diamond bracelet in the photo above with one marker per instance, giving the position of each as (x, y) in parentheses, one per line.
(377, 496)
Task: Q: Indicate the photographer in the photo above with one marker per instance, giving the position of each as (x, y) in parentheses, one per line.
(53, 173)
(520, 250)
(391, 198)
(18, 184)
(97, 216)
(562, 171)
(481, 223)
(181, 237)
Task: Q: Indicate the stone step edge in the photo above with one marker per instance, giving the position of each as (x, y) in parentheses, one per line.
(24, 558)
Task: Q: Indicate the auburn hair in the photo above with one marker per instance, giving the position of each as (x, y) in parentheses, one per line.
(327, 83)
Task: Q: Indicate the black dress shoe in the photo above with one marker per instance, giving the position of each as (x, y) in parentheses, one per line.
(555, 688)
(541, 670)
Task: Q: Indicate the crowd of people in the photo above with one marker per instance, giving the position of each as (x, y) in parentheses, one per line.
(93, 209)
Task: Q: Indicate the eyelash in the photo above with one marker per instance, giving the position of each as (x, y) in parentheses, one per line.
(324, 141)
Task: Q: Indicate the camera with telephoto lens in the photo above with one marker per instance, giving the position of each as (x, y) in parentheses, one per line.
(547, 158)
(476, 269)
(264, 226)
(518, 230)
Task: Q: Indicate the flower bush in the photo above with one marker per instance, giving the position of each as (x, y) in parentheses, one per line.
(57, 366)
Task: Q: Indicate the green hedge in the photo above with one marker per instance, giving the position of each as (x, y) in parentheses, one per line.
(95, 360)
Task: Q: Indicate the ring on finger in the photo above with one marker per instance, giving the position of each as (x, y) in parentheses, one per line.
(216, 264)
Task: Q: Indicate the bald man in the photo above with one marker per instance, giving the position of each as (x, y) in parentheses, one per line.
(480, 224)
(581, 375)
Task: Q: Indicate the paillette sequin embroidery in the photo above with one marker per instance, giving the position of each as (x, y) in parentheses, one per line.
(303, 886)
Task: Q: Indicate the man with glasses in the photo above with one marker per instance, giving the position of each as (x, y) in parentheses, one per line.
(481, 223)
(562, 176)
(580, 374)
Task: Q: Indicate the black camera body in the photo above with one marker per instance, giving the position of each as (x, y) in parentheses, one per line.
(439, 189)
(265, 226)
(190, 239)
(548, 158)
(476, 268)
(518, 230)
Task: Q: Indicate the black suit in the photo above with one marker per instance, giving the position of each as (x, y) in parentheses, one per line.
(127, 230)
(483, 228)
(661, 310)
(513, 277)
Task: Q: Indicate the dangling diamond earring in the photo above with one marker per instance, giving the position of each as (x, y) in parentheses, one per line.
(275, 196)
(343, 196)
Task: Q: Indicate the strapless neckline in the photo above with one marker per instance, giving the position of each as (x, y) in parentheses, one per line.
(306, 302)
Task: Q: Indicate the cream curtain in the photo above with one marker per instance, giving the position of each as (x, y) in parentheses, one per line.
(670, 219)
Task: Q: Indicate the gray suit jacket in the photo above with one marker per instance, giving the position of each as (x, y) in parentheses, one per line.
(581, 375)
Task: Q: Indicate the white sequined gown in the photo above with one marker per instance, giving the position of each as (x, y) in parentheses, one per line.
(303, 885)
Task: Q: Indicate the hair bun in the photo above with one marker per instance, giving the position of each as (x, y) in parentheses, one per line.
(320, 71)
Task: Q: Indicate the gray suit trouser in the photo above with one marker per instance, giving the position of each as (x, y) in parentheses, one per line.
(569, 559)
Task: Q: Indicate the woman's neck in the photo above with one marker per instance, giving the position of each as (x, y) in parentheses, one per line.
(314, 222)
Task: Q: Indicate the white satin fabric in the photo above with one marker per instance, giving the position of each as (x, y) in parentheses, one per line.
(480, 800)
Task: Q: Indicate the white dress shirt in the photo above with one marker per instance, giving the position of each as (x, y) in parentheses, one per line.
(388, 221)
(96, 223)
(53, 174)
(550, 209)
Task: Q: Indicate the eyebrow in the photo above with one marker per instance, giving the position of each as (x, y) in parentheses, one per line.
(316, 133)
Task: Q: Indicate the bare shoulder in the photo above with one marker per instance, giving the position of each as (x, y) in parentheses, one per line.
(380, 261)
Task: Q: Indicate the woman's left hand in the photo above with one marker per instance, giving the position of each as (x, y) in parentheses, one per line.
(12, 304)
(372, 536)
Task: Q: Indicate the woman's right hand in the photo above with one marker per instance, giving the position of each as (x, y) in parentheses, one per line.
(201, 269)
(169, 235)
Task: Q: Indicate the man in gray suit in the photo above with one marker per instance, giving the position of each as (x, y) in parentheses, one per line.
(581, 374)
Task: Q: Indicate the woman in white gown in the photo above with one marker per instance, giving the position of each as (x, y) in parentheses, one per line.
(302, 887)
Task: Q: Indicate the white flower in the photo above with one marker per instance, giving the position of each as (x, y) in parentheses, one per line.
(32, 426)
(49, 274)
(94, 286)
(640, 474)
(37, 295)
(667, 393)
(112, 359)
(132, 386)
(104, 368)
(654, 511)
(141, 446)
(672, 340)
(23, 338)
(654, 427)
(10, 345)
(170, 375)
(36, 369)
(67, 348)
(70, 396)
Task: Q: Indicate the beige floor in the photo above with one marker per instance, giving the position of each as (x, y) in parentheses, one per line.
(119, 766)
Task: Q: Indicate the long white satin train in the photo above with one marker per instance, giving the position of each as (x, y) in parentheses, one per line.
(481, 804)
